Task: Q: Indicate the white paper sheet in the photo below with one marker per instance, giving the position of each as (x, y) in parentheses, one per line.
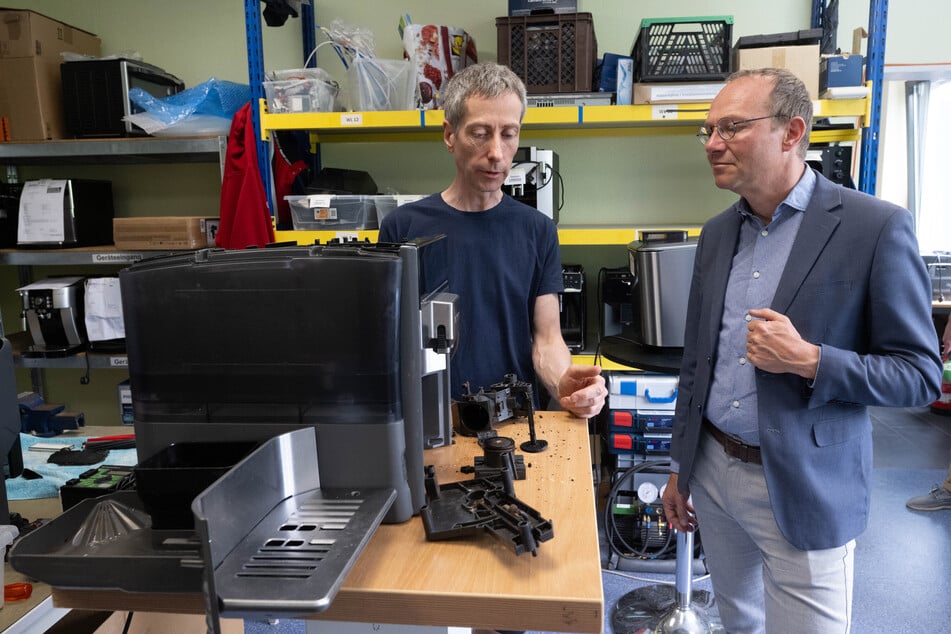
(41, 212)
(103, 304)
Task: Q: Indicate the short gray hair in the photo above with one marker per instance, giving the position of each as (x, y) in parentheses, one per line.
(789, 97)
(485, 80)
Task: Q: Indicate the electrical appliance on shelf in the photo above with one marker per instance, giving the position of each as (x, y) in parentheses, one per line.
(96, 94)
(573, 307)
(535, 181)
(661, 269)
(53, 309)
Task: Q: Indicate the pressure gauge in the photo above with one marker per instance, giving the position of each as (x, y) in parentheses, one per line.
(647, 492)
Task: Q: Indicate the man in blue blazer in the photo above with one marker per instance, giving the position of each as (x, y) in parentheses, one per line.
(809, 303)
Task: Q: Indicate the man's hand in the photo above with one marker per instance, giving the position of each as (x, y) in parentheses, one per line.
(581, 390)
(677, 506)
(773, 344)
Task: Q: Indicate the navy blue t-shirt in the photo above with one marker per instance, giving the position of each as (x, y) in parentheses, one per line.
(500, 260)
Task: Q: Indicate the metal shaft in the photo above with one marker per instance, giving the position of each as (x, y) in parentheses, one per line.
(684, 579)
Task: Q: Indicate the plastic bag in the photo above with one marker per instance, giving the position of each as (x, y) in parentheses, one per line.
(205, 109)
(382, 84)
(438, 52)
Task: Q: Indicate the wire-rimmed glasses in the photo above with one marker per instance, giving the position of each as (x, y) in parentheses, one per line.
(727, 127)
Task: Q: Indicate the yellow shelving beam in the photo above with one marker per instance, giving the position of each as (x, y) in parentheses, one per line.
(573, 236)
(563, 120)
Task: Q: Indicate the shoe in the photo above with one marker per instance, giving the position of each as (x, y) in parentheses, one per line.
(939, 498)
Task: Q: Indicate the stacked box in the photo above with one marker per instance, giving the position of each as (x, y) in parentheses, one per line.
(643, 391)
(683, 49)
(164, 232)
(31, 91)
(640, 414)
(550, 53)
(330, 212)
(802, 61)
(641, 421)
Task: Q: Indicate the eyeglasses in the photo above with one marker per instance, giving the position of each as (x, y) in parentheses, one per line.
(726, 128)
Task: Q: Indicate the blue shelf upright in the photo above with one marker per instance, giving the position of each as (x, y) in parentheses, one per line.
(875, 73)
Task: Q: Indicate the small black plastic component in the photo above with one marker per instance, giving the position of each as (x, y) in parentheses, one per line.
(460, 509)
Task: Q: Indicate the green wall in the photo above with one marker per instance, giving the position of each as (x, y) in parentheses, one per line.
(649, 179)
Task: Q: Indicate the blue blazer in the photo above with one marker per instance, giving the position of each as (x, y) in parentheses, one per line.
(856, 285)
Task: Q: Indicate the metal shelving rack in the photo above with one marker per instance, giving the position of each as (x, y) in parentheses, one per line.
(874, 75)
(587, 121)
(144, 150)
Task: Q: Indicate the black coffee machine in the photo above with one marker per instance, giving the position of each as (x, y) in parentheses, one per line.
(573, 307)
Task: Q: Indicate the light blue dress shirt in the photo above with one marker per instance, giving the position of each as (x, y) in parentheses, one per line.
(758, 264)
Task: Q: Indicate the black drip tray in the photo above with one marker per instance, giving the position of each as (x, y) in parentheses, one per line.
(108, 543)
(268, 541)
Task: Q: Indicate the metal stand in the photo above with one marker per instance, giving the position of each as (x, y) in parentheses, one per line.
(534, 444)
(661, 609)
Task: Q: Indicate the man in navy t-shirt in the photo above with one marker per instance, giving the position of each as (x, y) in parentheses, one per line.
(504, 262)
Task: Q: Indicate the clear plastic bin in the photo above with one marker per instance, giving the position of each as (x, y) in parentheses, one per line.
(386, 204)
(382, 84)
(324, 212)
(300, 90)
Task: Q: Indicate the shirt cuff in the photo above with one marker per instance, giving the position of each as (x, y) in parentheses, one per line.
(811, 383)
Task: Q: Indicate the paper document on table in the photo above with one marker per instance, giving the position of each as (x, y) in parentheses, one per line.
(41, 211)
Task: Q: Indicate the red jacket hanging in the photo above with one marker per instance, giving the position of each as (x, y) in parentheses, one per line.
(245, 218)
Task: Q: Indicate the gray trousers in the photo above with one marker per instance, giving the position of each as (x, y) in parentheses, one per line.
(761, 582)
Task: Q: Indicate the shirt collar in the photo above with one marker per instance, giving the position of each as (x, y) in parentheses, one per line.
(797, 199)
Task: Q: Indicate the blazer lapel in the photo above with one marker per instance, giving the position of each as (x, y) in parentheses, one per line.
(817, 227)
(714, 285)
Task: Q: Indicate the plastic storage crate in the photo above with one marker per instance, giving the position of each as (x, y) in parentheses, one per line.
(327, 212)
(550, 53)
(683, 49)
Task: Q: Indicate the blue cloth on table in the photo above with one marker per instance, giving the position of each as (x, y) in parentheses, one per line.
(55, 476)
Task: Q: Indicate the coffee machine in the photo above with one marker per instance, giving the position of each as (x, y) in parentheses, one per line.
(535, 181)
(573, 307)
(616, 305)
(53, 309)
(661, 268)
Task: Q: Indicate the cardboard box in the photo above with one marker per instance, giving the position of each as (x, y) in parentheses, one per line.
(31, 96)
(663, 92)
(803, 61)
(836, 71)
(162, 232)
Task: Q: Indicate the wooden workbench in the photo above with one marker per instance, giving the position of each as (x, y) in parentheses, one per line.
(403, 579)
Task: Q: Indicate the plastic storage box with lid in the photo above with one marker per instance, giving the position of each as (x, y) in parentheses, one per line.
(329, 212)
(550, 53)
(643, 391)
(683, 49)
(386, 204)
(300, 90)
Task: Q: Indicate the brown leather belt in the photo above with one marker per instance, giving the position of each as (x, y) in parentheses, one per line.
(733, 446)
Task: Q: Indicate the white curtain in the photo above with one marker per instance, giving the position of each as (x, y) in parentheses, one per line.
(934, 219)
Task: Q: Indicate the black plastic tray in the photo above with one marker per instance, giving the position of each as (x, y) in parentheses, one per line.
(132, 563)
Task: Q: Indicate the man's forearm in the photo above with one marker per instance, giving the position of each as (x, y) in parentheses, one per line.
(550, 361)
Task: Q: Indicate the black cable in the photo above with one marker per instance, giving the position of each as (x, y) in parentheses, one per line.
(610, 523)
(128, 623)
(84, 380)
(600, 299)
(561, 187)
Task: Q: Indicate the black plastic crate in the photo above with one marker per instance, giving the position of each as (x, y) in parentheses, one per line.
(683, 49)
(550, 53)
